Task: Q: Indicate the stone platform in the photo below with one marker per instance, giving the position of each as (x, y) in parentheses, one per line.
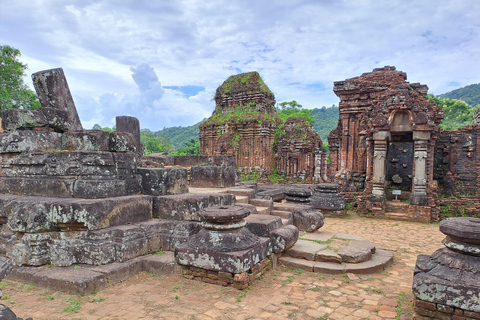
(86, 279)
(336, 253)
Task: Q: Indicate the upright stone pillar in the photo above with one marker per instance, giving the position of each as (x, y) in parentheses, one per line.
(379, 165)
(320, 174)
(419, 194)
(131, 125)
(52, 90)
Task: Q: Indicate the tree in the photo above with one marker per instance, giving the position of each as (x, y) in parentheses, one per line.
(14, 93)
(191, 146)
(457, 112)
(154, 144)
(290, 109)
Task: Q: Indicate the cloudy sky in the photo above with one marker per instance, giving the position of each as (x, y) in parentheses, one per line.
(161, 60)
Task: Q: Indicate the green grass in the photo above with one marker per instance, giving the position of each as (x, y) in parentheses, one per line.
(74, 305)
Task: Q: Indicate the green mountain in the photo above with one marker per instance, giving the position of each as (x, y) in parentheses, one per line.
(326, 119)
(470, 94)
(179, 135)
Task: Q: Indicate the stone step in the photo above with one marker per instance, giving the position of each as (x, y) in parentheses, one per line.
(380, 261)
(263, 210)
(85, 279)
(32, 214)
(241, 199)
(401, 216)
(282, 214)
(396, 206)
(264, 203)
(250, 193)
(305, 249)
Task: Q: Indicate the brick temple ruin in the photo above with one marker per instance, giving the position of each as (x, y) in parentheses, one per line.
(388, 142)
(245, 124)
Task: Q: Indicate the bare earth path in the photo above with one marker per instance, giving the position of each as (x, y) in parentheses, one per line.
(281, 294)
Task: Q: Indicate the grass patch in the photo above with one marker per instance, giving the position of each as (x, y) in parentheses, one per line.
(74, 305)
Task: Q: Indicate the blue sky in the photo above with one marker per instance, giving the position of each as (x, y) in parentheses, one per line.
(161, 61)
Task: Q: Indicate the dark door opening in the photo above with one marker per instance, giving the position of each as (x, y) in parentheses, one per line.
(400, 165)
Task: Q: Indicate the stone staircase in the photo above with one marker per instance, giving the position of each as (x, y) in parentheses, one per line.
(262, 206)
(397, 210)
(325, 252)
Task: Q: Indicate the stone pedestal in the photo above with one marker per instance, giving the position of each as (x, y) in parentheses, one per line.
(328, 200)
(223, 244)
(449, 279)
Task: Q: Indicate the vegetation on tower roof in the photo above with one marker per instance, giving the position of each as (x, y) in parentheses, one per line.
(244, 82)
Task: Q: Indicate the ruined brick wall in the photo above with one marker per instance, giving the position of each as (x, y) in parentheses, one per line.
(243, 123)
(457, 170)
(295, 158)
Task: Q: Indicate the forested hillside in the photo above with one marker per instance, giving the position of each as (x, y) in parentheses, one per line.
(470, 94)
(179, 135)
(326, 119)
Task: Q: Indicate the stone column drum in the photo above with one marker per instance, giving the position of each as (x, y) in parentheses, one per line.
(224, 244)
(446, 284)
(379, 165)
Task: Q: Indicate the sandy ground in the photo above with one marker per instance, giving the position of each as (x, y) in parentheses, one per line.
(283, 293)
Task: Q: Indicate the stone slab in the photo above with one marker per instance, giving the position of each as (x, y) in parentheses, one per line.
(329, 267)
(67, 279)
(29, 141)
(298, 263)
(305, 249)
(247, 192)
(328, 256)
(355, 254)
(346, 236)
(118, 272)
(379, 262)
(318, 235)
(187, 206)
(39, 214)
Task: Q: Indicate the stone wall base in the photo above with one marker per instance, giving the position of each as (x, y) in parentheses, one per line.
(239, 280)
(430, 310)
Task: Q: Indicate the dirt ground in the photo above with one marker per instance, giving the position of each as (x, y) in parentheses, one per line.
(283, 293)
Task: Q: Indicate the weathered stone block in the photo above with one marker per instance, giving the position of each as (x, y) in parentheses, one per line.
(274, 195)
(13, 119)
(87, 140)
(52, 90)
(187, 207)
(35, 214)
(47, 187)
(157, 181)
(130, 125)
(283, 238)
(212, 177)
(355, 254)
(263, 225)
(160, 263)
(105, 188)
(29, 141)
(118, 272)
(122, 142)
(77, 163)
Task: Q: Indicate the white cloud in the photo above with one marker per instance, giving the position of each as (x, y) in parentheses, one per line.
(299, 47)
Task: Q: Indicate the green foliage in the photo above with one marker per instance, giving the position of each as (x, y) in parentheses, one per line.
(457, 113)
(107, 129)
(244, 82)
(239, 115)
(74, 305)
(290, 109)
(470, 94)
(192, 146)
(179, 135)
(154, 144)
(326, 119)
(14, 93)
